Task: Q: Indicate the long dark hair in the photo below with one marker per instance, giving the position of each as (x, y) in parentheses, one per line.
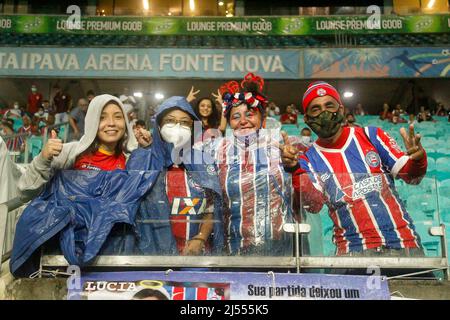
(214, 118)
(120, 144)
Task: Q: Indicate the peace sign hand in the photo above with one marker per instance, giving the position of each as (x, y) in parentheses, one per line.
(192, 94)
(412, 143)
(217, 96)
(289, 154)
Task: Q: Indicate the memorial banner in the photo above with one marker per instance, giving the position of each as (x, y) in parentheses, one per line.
(187, 285)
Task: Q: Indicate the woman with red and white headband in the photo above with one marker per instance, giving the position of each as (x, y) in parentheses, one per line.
(256, 189)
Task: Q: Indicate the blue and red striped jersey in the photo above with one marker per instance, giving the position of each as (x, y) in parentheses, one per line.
(187, 202)
(356, 176)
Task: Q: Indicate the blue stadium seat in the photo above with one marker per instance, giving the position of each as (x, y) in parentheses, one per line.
(18, 123)
(291, 129)
(431, 244)
(35, 145)
(422, 206)
(443, 164)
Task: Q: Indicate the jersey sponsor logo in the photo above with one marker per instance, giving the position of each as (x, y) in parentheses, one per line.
(186, 206)
(394, 144)
(373, 159)
(360, 189)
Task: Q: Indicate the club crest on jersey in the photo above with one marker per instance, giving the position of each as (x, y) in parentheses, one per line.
(372, 159)
(187, 206)
(211, 170)
(321, 92)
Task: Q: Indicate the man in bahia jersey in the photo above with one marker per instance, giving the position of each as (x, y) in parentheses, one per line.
(352, 171)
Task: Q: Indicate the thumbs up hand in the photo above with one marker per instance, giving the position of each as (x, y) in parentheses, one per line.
(53, 146)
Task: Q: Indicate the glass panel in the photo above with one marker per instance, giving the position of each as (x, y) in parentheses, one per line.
(361, 212)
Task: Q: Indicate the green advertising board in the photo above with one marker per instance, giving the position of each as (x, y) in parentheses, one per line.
(245, 26)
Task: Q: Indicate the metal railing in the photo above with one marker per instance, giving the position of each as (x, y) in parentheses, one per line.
(26, 159)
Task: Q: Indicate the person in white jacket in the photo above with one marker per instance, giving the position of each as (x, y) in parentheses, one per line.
(107, 141)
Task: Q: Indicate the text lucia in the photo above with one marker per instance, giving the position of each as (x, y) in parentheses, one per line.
(181, 62)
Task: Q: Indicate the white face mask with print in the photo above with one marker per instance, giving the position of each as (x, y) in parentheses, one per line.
(176, 134)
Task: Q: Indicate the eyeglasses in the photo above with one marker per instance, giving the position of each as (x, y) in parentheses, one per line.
(173, 122)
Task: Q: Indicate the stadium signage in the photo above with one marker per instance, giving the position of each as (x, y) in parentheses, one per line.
(324, 63)
(184, 285)
(147, 63)
(246, 26)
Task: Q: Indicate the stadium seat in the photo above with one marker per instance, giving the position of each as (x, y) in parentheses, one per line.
(422, 206)
(291, 129)
(431, 244)
(443, 164)
(18, 123)
(35, 145)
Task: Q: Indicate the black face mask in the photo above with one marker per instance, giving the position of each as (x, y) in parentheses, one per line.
(326, 124)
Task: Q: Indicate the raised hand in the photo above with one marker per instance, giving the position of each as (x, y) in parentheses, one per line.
(289, 154)
(143, 137)
(192, 94)
(53, 146)
(412, 143)
(217, 97)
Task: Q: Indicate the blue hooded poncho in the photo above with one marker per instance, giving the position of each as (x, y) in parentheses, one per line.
(88, 213)
(156, 237)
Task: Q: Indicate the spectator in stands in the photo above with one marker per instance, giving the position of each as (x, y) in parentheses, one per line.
(207, 112)
(76, 119)
(141, 132)
(90, 95)
(359, 111)
(257, 202)
(15, 143)
(61, 104)
(290, 116)
(303, 142)
(216, 112)
(41, 114)
(132, 117)
(398, 109)
(26, 128)
(127, 99)
(441, 111)
(350, 121)
(49, 126)
(386, 114)
(14, 111)
(368, 221)
(273, 109)
(46, 105)
(107, 137)
(34, 100)
(181, 181)
(424, 115)
(396, 117)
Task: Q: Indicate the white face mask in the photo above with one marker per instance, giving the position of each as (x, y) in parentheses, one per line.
(176, 134)
(306, 140)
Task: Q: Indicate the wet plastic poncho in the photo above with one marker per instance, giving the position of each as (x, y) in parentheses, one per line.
(156, 237)
(80, 208)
